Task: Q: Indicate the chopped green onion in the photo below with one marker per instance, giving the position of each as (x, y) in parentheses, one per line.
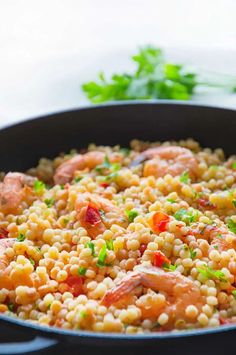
(234, 294)
(234, 203)
(39, 186)
(212, 274)
(82, 271)
(131, 215)
(20, 238)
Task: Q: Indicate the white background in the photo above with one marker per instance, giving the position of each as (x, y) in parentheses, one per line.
(49, 47)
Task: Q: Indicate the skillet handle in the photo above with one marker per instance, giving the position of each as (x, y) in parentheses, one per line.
(37, 344)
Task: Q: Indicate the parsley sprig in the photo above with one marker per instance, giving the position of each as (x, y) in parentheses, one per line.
(154, 78)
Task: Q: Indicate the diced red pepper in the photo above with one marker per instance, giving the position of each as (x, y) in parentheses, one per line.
(75, 284)
(104, 184)
(142, 248)
(205, 203)
(92, 215)
(224, 321)
(159, 222)
(3, 233)
(160, 259)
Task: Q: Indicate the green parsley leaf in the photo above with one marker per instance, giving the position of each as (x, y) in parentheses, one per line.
(83, 314)
(125, 151)
(131, 215)
(78, 178)
(102, 256)
(39, 186)
(184, 178)
(234, 165)
(109, 244)
(171, 200)
(169, 267)
(153, 78)
(234, 203)
(186, 216)
(11, 307)
(21, 237)
(82, 271)
(106, 165)
(231, 225)
(49, 202)
(193, 253)
(92, 247)
(32, 261)
(212, 274)
(234, 294)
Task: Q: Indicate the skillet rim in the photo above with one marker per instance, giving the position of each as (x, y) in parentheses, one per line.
(116, 336)
(85, 107)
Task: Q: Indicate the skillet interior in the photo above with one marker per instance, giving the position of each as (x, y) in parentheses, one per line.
(23, 144)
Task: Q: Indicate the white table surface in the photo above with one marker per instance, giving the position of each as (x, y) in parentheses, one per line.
(48, 48)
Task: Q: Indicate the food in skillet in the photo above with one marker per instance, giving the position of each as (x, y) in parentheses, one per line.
(121, 240)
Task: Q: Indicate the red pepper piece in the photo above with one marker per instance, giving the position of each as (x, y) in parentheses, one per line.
(104, 184)
(159, 222)
(75, 284)
(142, 248)
(3, 233)
(160, 259)
(92, 215)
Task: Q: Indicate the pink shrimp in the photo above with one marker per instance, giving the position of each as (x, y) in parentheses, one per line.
(90, 160)
(216, 236)
(180, 293)
(12, 191)
(97, 213)
(171, 160)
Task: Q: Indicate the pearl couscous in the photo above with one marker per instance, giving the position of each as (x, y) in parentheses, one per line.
(121, 240)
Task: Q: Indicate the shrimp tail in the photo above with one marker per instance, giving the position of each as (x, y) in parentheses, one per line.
(127, 285)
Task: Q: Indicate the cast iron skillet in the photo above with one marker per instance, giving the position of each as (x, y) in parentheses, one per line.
(21, 145)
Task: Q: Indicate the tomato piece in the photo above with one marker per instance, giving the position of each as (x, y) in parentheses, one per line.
(142, 248)
(75, 284)
(92, 215)
(160, 259)
(205, 203)
(159, 222)
(3, 233)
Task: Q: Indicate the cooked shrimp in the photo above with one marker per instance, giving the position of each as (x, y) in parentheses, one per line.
(90, 160)
(12, 191)
(216, 236)
(96, 213)
(171, 160)
(180, 292)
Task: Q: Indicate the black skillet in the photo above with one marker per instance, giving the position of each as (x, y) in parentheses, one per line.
(21, 145)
